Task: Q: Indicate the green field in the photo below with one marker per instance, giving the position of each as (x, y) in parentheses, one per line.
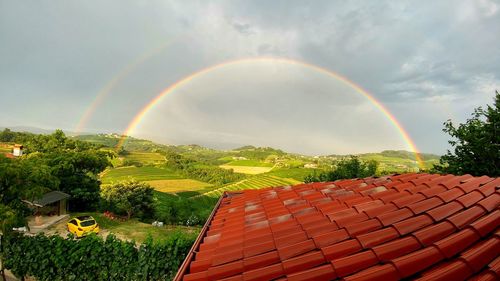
(179, 185)
(252, 163)
(255, 182)
(5, 148)
(397, 164)
(247, 169)
(145, 157)
(145, 173)
(293, 173)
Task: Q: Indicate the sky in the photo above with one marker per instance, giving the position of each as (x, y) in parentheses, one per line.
(424, 62)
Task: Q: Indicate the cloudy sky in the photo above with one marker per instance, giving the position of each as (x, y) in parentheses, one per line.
(93, 65)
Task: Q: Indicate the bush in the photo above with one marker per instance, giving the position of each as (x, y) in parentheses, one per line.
(346, 168)
(49, 258)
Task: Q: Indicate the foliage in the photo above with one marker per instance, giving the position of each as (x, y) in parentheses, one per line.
(476, 143)
(145, 173)
(21, 178)
(75, 165)
(131, 197)
(93, 258)
(177, 210)
(190, 168)
(345, 168)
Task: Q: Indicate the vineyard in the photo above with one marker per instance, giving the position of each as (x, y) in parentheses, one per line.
(51, 258)
(255, 182)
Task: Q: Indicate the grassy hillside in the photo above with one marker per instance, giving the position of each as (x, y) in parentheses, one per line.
(255, 182)
(179, 185)
(145, 173)
(5, 147)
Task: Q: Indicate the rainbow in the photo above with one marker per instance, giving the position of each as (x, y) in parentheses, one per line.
(140, 116)
(111, 84)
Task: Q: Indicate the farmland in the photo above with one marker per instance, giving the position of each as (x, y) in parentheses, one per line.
(178, 185)
(145, 173)
(255, 182)
(250, 170)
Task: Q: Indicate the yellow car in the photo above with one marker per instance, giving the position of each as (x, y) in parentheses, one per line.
(83, 225)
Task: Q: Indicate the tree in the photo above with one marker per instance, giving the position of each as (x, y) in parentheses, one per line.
(475, 144)
(130, 197)
(21, 179)
(346, 168)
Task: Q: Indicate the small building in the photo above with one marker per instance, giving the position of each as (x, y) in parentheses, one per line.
(311, 166)
(50, 204)
(17, 150)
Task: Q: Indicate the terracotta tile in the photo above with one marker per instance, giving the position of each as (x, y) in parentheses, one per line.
(330, 238)
(198, 276)
(258, 249)
(487, 223)
(354, 263)
(464, 218)
(425, 205)
(396, 227)
(414, 262)
(378, 237)
(363, 227)
(435, 232)
(303, 262)
(396, 248)
(293, 238)
(491, 202)
(454, 270)
(490, 187)
(324, 272)
(261, 260)
(238, 277)
(444, 211)
(227, 257)
(412, 224)
(264, 273)
(482, 253)
(341, 249)
(470, 199)
(225, 270)
(350, 219)
(386, 272)
(457, 242)
(200, 265)
(367, 205)
(296, 249)
(484, 276)
(394, 216)
(320, 229)
(408, 199)
(373, 212)
(430, 192)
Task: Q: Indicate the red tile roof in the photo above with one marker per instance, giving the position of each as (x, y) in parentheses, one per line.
(421, 226)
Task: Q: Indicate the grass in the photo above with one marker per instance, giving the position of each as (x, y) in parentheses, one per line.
(252, 163)
(255, 182)
(293, 173)
(5, 148)
(135, 230)
(247, 169)
(145, 173)
(145, 157)
(179, 185)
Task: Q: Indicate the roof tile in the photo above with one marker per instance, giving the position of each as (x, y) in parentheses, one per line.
(423, 226)
(414, 262)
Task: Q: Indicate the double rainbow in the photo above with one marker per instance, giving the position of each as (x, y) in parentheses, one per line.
(148, 107)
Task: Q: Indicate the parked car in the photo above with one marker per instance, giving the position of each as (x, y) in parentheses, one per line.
(83, 225)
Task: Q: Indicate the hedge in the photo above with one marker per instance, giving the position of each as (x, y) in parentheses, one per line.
(94, 258)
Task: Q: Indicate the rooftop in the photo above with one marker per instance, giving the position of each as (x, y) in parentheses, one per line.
(48, 198)
(417, 226)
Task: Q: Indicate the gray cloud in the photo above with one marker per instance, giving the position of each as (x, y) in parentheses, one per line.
(426, 62)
